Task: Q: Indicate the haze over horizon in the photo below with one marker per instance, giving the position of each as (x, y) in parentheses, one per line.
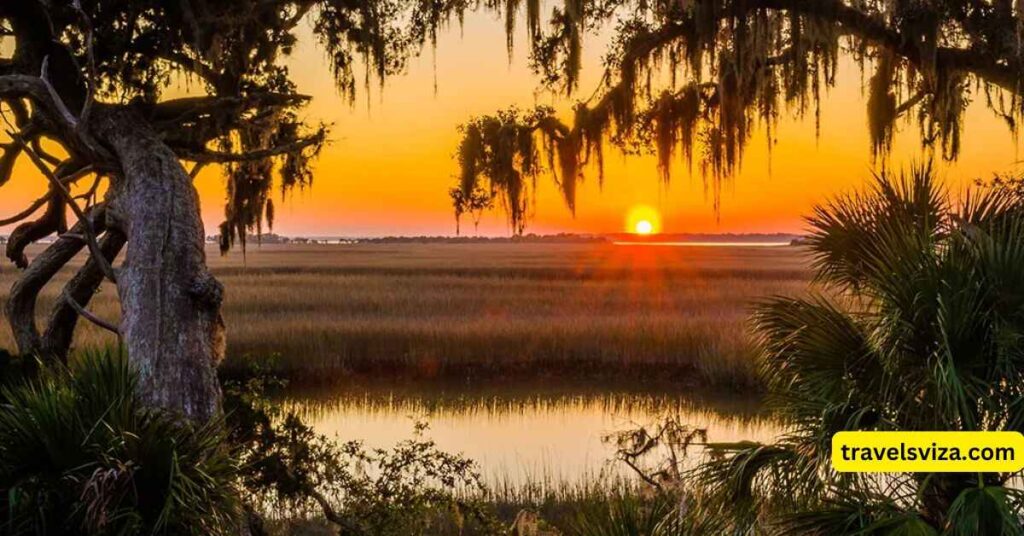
(333, 236)
(390, 163)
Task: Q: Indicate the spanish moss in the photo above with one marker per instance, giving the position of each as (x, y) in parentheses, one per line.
(693, 80)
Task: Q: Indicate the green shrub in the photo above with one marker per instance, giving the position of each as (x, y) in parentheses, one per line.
(922, 329)
(80, 455)
(293, 474)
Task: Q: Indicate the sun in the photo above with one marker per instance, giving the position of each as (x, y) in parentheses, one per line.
(643, 220)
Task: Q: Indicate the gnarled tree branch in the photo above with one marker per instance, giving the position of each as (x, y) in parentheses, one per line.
(58, 185)
(38, 203)
(56, 340)
(175, 111)
(21, 304)
(52, 221)
(249, 156)
(42, 94)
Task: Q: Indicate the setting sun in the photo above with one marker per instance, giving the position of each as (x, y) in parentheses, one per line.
(643, 220)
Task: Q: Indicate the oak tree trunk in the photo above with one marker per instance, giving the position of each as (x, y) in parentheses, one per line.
(170, 303)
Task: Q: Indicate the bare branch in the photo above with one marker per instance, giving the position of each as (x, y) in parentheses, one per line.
(7, 160)
(910, 103)
(58, 103)
(37, 146)
(21, 303)
(36, 205)
(59, 118)
(11, 151)
(178, 109)
(52, 221)
(56, 340)
(87, 229)
(90, 95)
(196, 168)
(222, 157)
(90, 195)
(84, 313)
(20, 111)
(330, 513)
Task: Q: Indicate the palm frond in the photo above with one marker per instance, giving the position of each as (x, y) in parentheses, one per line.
(925, 332)
(79, 451)
(990, 510)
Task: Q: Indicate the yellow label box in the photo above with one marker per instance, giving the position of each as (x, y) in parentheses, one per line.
(928, 452)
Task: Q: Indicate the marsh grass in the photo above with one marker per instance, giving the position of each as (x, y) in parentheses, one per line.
(557, 502)
(315, 314)
(515, 399)
(566, 507)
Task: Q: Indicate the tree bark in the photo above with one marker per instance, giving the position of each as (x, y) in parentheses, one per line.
(170, 303)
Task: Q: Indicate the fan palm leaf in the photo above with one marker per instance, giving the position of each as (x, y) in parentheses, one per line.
(920, 327)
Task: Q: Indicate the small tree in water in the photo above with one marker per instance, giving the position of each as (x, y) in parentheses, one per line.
(923, 331)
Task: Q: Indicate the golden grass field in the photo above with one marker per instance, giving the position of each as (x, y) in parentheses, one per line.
(321, 312)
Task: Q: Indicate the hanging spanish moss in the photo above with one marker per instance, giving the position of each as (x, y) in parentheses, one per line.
(250, 182)
(512, 8)
(501, 149)
(942, 114)
(376, 37)
(696, 78)
(882, 106)
(673, 120)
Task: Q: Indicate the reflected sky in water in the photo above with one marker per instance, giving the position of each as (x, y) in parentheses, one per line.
(527, 437)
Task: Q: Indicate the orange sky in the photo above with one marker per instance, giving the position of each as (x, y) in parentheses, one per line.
(389, 164)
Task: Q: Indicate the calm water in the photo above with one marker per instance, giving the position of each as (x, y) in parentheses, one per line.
(705, 244)
(517, 437)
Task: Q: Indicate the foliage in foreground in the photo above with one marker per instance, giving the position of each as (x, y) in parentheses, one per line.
(924, 331)
(80, 455)
(290, 470)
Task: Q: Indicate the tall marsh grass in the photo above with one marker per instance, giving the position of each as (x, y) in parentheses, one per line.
(498, 310)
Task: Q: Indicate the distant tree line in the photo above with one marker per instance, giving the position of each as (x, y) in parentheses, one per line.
(531, 238)
(558, 238)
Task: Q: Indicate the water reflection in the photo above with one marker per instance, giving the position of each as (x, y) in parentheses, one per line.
(525, 435)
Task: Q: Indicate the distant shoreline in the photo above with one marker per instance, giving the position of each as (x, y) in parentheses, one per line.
(696, 239)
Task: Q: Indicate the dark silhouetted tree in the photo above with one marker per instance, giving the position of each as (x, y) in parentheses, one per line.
(697, 77)
(476, 202)
(88, 76)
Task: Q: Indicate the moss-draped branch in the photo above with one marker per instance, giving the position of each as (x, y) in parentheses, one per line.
(75, 74)
(697, 77)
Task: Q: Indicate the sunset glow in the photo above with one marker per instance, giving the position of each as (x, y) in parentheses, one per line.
(389, 166)
(643, 220)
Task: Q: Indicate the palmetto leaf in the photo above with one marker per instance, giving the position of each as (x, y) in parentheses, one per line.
(853, 512)
(79, 454)
(859, 240)
(925, 331)
(990, 510)
(813, 349)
